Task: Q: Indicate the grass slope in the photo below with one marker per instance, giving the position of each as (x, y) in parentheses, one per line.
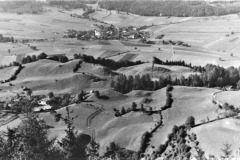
(6, 73)
(159, 70)
(186, 102)
(212, 136)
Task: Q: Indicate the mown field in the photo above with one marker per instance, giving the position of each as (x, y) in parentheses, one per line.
(207, 33)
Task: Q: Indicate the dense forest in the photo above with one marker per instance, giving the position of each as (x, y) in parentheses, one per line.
(169, 8)
(214, 76)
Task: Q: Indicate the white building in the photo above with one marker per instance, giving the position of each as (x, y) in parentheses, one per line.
(97, 33)
(37, 109)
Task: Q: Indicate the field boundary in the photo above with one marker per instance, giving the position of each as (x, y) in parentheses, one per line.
(90, 118)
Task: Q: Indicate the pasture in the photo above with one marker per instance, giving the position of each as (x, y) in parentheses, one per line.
(187, 101)
(207, 37)
(209, 44)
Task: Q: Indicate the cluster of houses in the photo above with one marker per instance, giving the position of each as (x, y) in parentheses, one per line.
(109, 33)
(41, 103)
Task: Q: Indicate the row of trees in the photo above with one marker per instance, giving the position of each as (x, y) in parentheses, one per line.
(177, 142)
(10, 65)
(214, 76)
(179, 63)
(34, 58)
(125, 84)
(134, 108)
(88, 11)
(169, 8)
(6, 39)
(106, 62)
(14, 76)
(169, 99)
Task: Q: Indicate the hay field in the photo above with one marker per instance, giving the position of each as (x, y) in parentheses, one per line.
(10, 52)
(212, 136)
(41, 26)
(7, 73)
(206, 35)
(46, 75)
(207, 32)
(133, 125)
(50, 25)
(231, 97)
(82, 111)
(187, 101)
(124, 19)
(159, 70)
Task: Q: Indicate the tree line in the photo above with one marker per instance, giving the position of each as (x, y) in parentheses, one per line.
(106, 62)
(14, 76)
(169, 8)
(6, 39)
(213, 76)
(34, 58)
(10, 65)
(179, 63)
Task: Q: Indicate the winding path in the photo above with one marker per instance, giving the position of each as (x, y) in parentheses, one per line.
(90, 118)
(214, 95)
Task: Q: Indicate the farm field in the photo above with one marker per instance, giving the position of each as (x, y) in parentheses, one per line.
(6, 73)
(51, 24)
(159, 70)
(230, 97)
(194, 31)
(213, 135)
(207, 32)
(48, 75)
(187, 101)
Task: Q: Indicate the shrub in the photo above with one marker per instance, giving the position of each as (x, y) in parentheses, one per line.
(42, 56)
(134, 106)
(123, 111)
(144, 142)
(169, 88)
(190, 122)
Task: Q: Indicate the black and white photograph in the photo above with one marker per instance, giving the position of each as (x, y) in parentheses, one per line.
(119, 79)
